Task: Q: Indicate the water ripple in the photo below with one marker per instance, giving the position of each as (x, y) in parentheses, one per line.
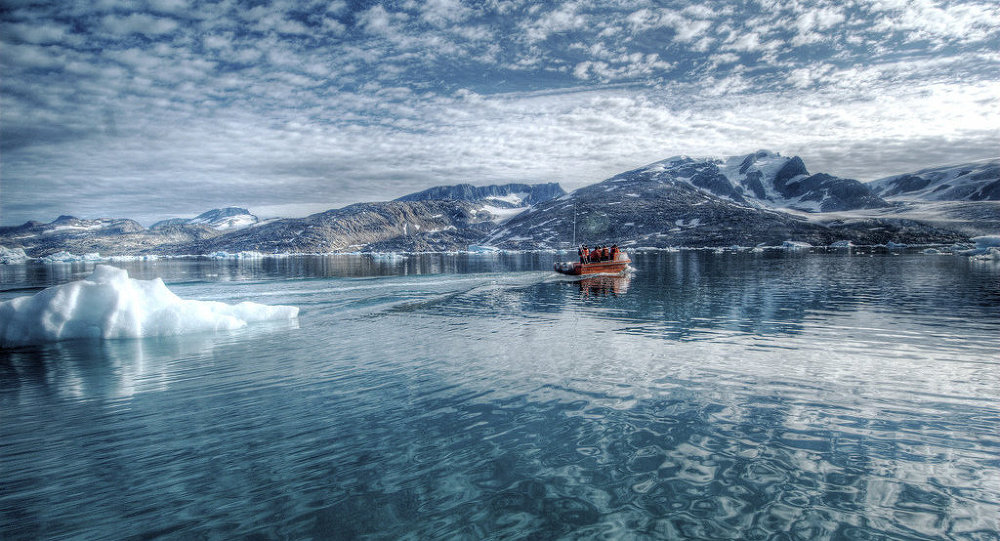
(707, 397)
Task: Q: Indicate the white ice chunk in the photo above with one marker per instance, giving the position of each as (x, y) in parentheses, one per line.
(109, 304)
(66, 257)
(12, 256)
(987, 241)
(795, 245)
(477, 248)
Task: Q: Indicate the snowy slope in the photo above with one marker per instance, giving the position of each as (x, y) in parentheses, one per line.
(224, 219)
(763, 179)
(976, 181)
(502, 202)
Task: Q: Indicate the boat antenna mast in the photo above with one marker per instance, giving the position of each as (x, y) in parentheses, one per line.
(574, 226)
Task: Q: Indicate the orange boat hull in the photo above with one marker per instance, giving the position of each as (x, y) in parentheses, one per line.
(602, 267)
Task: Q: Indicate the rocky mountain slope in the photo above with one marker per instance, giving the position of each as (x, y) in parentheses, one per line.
(105, 236)
(763, 179)
(977, 181)
(501, 196)
(224, 219)
(688, 202)
(413, 225)
(744, 200)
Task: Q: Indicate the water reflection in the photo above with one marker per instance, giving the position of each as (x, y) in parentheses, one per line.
(725, 395)
(111, 369)
(602, 286)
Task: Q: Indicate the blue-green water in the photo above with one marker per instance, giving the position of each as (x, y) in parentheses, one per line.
(735, 395)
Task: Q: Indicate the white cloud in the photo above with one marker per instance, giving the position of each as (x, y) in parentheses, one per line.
(926, 20)
(138, 23)
(377, 20)
(562, 19)
(699, 11)
(808, 76)
(744, 42)
(246, 99)
(444, 12)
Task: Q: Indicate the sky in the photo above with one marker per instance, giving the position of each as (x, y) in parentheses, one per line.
(152, 109)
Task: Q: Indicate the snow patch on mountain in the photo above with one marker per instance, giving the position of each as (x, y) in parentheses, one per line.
(502, 195)
(975, 181)
(763, 180)
(224, 219)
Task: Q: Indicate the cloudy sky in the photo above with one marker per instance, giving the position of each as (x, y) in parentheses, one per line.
(161, 108)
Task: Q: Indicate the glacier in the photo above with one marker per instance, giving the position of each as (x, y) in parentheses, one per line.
(109, 304)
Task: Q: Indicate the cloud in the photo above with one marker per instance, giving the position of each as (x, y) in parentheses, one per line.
(138, 23)
(563, 19)
(378, 21)
(173, 107)
(441, 13)
(51, 33)
(960, 22)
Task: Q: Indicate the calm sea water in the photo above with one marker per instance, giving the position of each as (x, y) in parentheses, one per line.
(734, 395)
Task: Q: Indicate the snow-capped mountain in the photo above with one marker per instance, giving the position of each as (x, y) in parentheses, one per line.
(976, 181)
(763, 179)
(502, 202)
(71, 226)
(743, 200)
(501, 196)
(224, 219)
(429, 225)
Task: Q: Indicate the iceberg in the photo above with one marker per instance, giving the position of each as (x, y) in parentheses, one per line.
(987, 248)
(986, 241)
(12, 256)
(109, 304)
(482, 249)
(67, 257)
(795, 245)
(237, 255)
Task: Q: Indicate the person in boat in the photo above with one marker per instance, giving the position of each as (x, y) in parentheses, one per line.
(614, 252)
(606, 253)
(584, 254)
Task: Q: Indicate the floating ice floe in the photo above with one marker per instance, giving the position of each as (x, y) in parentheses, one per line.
(987, 248)
(386, 256)
(482, 249)
(66, 257)
(12, 256)
(842, 244)
(795, 245)
(127, 258)
(987, 241)
(237, 255)
(109, 304)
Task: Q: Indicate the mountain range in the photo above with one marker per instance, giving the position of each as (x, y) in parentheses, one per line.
(744, 200)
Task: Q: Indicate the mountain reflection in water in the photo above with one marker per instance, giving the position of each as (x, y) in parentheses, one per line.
(733, 395)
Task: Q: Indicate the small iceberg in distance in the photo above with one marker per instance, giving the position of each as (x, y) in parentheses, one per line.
(109, 304)
(482, 249)
(795, 245)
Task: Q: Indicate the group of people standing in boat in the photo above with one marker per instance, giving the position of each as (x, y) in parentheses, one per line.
(598, 254)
